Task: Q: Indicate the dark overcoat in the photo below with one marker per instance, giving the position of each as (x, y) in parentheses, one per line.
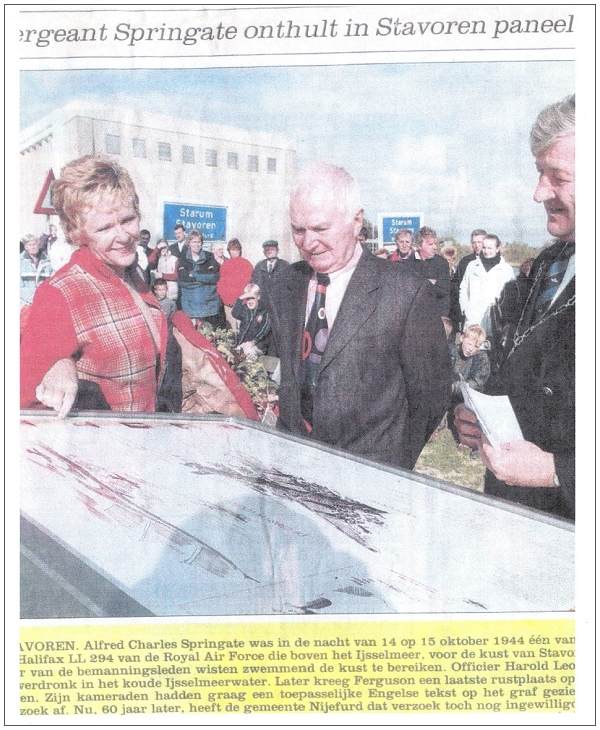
(538, 375)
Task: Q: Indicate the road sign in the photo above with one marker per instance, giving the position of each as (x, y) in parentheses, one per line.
(391, 223)
(210, 220)
(43, 205)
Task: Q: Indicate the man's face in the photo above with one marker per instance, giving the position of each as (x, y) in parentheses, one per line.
(179, 235)
(195, 244)
(144, 239)
(111, 230)
(271, 252)
(404, 243)
(32, 247)
(477, 243)
(556, 186)
(325, 235)
(428, 246)
(489, 248)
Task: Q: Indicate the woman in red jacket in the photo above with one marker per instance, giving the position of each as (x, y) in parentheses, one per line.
(236, 272)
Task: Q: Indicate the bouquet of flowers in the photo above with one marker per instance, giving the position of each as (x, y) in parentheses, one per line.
(250, 371)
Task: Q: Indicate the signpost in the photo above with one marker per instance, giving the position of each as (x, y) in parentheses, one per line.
(210, 220)
(390, 223)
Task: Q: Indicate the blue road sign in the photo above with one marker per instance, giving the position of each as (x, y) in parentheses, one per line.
(391, 223)
(210, 220)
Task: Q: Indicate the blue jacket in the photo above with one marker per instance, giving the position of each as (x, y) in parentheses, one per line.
(198, 284)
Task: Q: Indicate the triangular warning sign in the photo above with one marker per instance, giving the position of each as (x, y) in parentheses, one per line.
(43, 204)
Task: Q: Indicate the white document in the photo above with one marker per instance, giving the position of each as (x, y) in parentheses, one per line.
(495, 415)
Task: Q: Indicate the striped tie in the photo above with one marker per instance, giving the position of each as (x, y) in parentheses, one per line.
(314, 341)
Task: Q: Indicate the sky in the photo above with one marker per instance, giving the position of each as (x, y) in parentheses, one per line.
(449, 140)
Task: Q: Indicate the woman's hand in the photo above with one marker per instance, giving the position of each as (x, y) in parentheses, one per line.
(58, 388)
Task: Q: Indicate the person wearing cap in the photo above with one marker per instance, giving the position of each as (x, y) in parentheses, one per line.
(236, 272)
(270, 267)
(254, 321)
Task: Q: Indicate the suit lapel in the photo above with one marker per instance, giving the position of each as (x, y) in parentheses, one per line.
(359, 302)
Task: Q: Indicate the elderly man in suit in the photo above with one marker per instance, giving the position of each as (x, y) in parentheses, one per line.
(364, 359)
(538, 371)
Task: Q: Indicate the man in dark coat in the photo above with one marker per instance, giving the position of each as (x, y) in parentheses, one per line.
(538, 373)
(373, 376)
(433, 267)
(270, 267)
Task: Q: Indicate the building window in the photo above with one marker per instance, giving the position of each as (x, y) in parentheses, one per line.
(232, 160)
(139, 147)
(210, 157)
(164, 151)
(271, 164)
(187, 154)
(113, 144)
(252, 163)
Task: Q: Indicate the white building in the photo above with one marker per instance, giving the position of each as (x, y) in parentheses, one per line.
(172, 161)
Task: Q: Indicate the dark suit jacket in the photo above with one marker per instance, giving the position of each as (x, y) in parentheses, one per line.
(539, 377)
(384, 379)
(261, 275)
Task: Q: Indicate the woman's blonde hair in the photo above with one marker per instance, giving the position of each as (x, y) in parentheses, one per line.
(83, 182)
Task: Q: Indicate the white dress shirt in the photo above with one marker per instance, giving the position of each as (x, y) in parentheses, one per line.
(338, 283)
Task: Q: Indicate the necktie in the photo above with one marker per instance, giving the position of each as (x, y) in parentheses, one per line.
(314, 341)
(551, 280)
(270, 267)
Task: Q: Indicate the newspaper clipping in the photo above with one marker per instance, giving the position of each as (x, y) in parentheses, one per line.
(268, 256)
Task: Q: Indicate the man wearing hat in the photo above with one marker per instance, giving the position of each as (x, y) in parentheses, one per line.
(270, 267)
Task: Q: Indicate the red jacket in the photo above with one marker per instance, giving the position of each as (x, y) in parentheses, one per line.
(235, 274)
(85, 311)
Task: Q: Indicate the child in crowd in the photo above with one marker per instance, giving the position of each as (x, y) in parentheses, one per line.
(166, 268)
(167, 305)
(470, 363)
(255, 324)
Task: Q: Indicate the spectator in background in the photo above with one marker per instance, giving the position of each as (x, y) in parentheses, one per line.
(254, 322)
(197, 275)
(166, 268)
(363, 237)
(477, 237)
(218, 253)
(35, 268)
(470, 364)
(433, 267)
(449, 253)
(144, 265)
(47, 240)
(178, 247)
(404, 247)
(236, 272)
(270, 267)
(167, 305)
(483, 282)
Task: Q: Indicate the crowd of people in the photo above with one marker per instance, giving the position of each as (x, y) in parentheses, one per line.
(372, 349)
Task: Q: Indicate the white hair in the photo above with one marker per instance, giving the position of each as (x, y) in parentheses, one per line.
(556, 120)
(322, 180)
